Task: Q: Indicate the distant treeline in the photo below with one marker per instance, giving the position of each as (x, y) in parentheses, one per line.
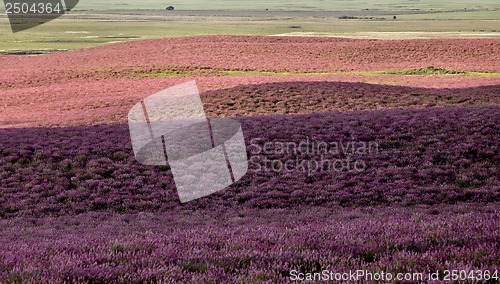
(360, 18)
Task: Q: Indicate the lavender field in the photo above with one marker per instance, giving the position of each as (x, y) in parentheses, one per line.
(77, 207)
(242, 245)
(430, 156)
(379, 156)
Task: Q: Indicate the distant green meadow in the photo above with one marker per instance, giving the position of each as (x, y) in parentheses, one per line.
(95, 22)
(291, 4)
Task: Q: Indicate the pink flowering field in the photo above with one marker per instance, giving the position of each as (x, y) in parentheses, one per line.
(76, 206)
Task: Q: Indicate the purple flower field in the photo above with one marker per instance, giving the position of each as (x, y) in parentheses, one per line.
(247, 245)
(429, 156)
(311, 97)
(76, 207)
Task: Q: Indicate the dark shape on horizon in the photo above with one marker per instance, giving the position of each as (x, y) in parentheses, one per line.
(395, 17)
(47, 11)
(170, 8)
(70, 4)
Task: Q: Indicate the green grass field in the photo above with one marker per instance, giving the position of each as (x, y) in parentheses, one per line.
(76, 31)
(90, 25)
(292, 4)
